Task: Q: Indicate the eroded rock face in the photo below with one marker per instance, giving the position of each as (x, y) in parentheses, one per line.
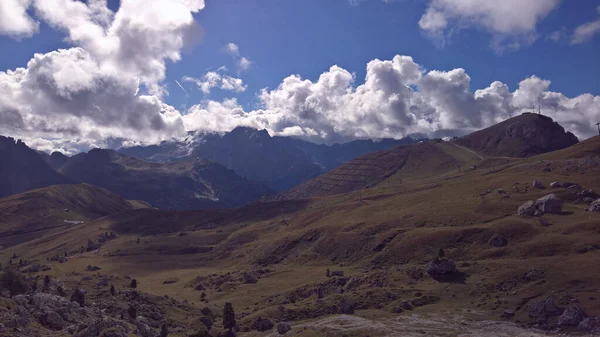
(345, 307)
(545, 308)
(440, 267)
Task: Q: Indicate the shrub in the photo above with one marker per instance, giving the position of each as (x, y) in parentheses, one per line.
(132, 311)
(13, 281)
(133, 284)
(228, 317)
(46, 280)
(112, 290)
(79, 297)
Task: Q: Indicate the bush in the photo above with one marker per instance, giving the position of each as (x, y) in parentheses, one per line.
(46, 280)
(132, 311)
(133, 284)
(112, 290)
(13, 281)
(79, 297)
(228, 317)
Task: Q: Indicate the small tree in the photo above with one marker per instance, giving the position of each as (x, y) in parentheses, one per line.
(164, 330)
(328, 273)
(228, 317)
(12, 281)
(0, 266)
(34, 286)
(112, 290)
(441, 253)
(79, 297)
(132, 311)
(138, 240)
(133, 284)
(61, 291)
(46, 281)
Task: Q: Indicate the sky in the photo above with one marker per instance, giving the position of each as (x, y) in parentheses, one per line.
(75, 75)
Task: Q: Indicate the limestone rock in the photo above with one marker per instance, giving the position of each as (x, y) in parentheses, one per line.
(528, 208)
(555, 184)
(144, 329)
(594, 206)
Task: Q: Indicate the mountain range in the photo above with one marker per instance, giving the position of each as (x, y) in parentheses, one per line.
(278, 162)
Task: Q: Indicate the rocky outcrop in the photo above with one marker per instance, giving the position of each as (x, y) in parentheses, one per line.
(546, 204)
(345, 307)
(440, 267)
(543, 308)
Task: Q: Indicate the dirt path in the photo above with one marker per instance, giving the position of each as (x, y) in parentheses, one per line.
(416, 325)
(464, 148)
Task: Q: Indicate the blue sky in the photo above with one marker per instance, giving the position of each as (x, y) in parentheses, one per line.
(283, 38)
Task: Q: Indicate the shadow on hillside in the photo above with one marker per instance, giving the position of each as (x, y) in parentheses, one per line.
(456, 277)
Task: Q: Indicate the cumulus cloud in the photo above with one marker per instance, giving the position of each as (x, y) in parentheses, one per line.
(242, 62)
(109, 85)
(398, 98)
(512, 23)
(213, 79)
(14, 20)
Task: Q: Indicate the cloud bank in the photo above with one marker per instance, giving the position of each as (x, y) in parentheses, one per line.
(398, 98)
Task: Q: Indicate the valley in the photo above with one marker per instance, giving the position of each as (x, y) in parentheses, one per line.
(364, 249)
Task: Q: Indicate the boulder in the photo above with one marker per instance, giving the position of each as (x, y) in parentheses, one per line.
(574, 187)
(345, 307)
(572, 316)
(283, 328)
(249, 278)
(440, 267)
(538, 184)
(549, 204)
(591, 324)
(555, 184)
(498, 240)
(508, 314)
(528, 208)
(53, 320)
(543, 308)
(207, 321)
(262, 324)
(144, 329)
(594, 206)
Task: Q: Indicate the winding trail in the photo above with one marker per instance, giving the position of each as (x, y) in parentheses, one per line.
(464, 148)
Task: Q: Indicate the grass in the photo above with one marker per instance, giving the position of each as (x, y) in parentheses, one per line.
(383, 243)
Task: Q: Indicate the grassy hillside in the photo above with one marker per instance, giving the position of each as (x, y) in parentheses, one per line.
(410, 209)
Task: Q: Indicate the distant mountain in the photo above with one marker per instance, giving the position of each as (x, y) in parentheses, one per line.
(56, 160)
(187, 184)
(522, 136)
(278, 162)
(22, 169)
(49, 207)
(413, 161)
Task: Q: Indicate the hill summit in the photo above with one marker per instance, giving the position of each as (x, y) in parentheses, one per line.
(521, 136)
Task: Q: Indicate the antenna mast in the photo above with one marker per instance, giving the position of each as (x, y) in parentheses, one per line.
(598, 125)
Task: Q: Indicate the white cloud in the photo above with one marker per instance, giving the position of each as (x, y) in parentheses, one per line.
(398, 98)
(232, 48)
(108, 86)
(586, 31)
(14, 20)
(213, 79)
(512, 23)
(242, 62)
